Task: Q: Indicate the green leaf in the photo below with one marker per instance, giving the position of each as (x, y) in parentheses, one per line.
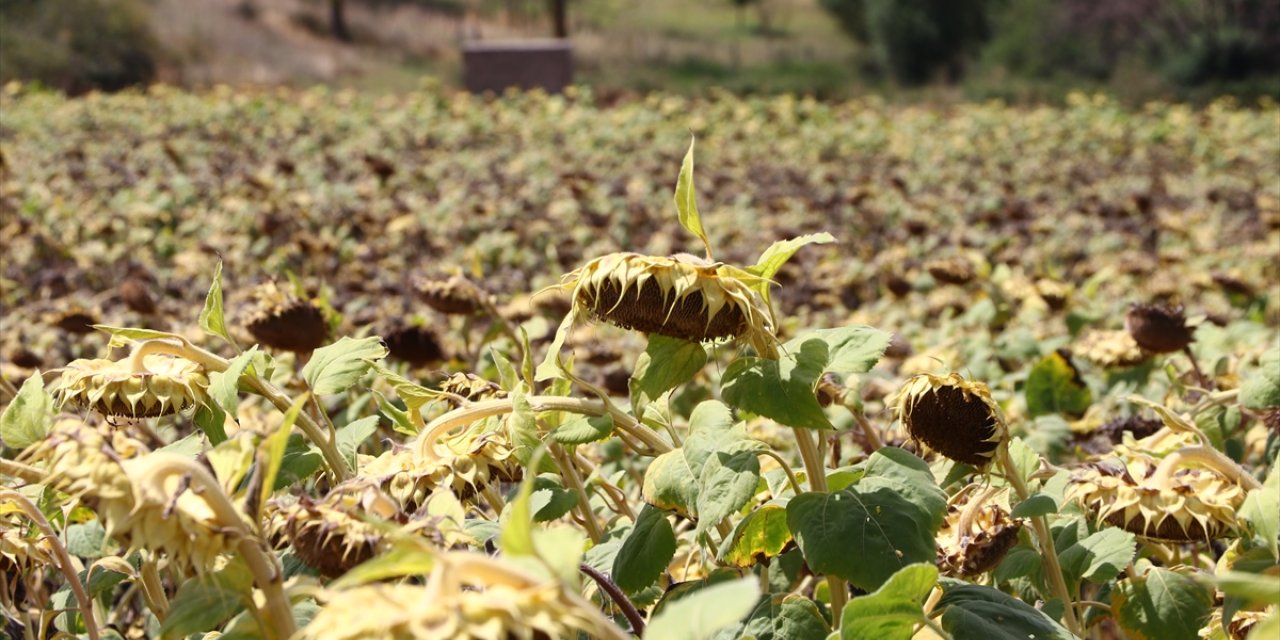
(404, 558)
(517, 521)
(224, 386)
(550, 499)
(549, 367)
(672, 480)
(123, 336)
(211, 420)
(1262, 388)
(86, 539)
(26, 420)
(781, 251)
(726, 484)
(1054, 385)
(1099, 557)
(870, 530)
(1253, 589)
(350, 437)
(334, 368)
(1037, 505)
(852, 349)
(1161, 604)
(701, 614)
(893, 610)
(211, 318)
(687, 201)
(781, 390)
(560, 550)
(646, 551)
(973, 611)
(780, 617)
(1261, 510)
(580, 429)
(271, 455)
(665, 364)
(763, 534)
(205, 603)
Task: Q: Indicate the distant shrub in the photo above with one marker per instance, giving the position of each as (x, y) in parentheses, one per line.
(78, 45)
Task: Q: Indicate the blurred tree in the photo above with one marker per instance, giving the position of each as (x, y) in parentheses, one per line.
(916, 40)
(560, 18)
(338, 20)
(78, 45)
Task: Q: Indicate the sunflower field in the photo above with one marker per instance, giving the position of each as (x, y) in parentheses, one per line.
(317, 364)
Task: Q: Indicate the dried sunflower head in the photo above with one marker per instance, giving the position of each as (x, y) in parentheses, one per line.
(457, 608)
(1197, 504)
(681, 296)
(1111, 349)
(471, 461)
(1158, 328)
(414, 344)
(953, 416)
(976, 535)
(165, 385)
(1241, 625)
(454, 295)
(332, 535)
(472, 387)
(955, 270)
(145, 510)
(283, 321)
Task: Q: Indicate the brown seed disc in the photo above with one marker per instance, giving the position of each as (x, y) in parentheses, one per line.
(77, 322)
(988, 549)
(1169, 530)
(954, 425)
(643, 308)
(325, 549)
(1158, 328)
(415, 344)
(136, 295)
(299, 328)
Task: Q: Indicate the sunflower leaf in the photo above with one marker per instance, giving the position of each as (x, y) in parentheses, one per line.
(687, 202)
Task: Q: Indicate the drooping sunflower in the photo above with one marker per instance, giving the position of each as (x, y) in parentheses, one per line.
(953, 416)
(976, 534)
(282, 320)
(681, 296)
(164, 386)
(1196, 504)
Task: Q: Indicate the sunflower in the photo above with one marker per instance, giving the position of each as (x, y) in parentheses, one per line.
(953, 416)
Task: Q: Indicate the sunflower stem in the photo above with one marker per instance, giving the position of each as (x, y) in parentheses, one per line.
(1203, 456)
(64, 559)
(1044, 537)
(266, 571)
(26, 473)
(571, 477)
(617, 596)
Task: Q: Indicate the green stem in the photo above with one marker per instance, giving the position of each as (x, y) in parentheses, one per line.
(462, 416)
(1044, 536)
(64, 559)
(569, 472)
(791, 476)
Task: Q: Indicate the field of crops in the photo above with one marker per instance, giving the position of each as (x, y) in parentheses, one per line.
(316, 364)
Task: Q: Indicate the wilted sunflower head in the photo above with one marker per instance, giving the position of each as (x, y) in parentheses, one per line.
(414, 344)
(976, 534)
(681, 296)
(1158, 328)
(953, 416)
(954, 270)
(284, 321)
(332, 535)
(471, 387)
(167, 385)
(456, 606)
(1198, 504)
(1111, 349)
(453, 295)
(469, 463)
(1241, 625)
